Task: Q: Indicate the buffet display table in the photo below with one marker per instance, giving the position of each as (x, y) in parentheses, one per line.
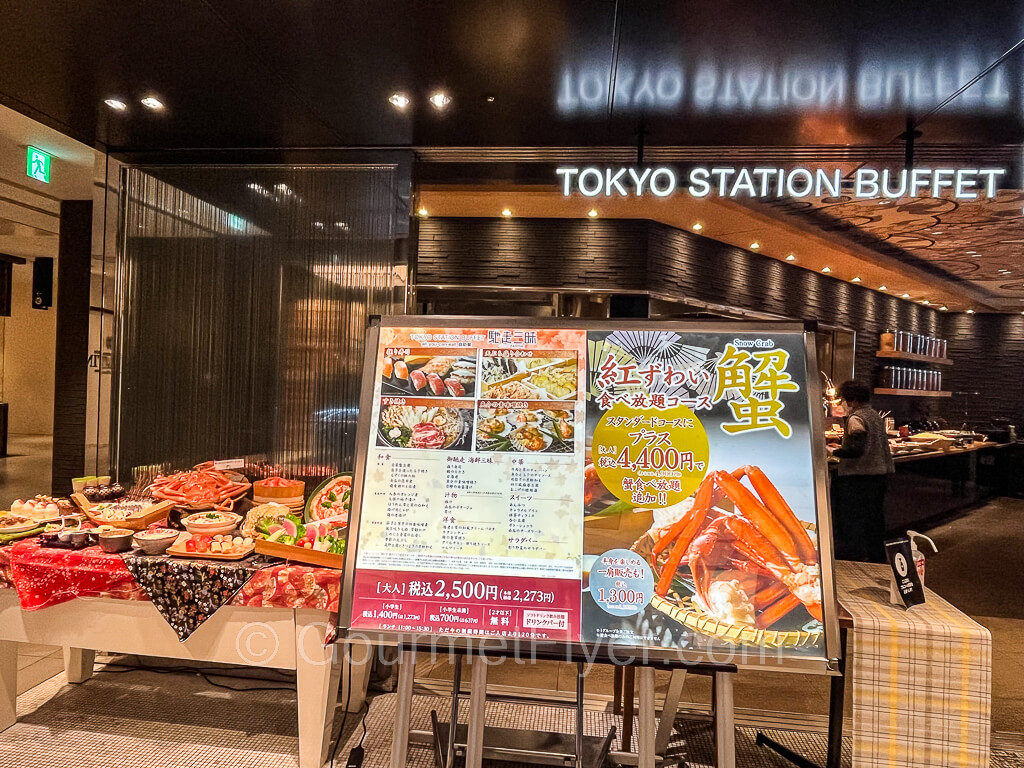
(283, 618)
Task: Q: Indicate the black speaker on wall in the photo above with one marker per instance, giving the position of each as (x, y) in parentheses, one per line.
(42, 283)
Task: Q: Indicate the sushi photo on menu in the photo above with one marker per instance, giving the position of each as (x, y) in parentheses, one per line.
(428, 372)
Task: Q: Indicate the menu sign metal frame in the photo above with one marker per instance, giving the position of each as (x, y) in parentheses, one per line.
(789, 649)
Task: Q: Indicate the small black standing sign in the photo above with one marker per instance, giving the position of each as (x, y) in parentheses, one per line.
(908, 587)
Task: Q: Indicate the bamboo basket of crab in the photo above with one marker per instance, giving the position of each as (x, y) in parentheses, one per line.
(687, 613)
(751, 561)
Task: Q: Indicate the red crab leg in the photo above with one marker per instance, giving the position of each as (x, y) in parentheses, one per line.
(703, 500)
(777, 505)
(769, 595)
(698, 552)
(750, 507)
(683, 531)
(757, 547)
(776, 611)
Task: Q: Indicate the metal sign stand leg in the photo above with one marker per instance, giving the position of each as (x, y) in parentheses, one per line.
(477, 710)
(725, 726)
(403, 708)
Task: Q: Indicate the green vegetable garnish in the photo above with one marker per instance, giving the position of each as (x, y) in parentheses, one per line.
(332, 496)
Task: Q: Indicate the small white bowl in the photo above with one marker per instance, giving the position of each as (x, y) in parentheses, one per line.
(195, 523)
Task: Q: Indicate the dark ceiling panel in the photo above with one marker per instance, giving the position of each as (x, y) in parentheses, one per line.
(237, 73)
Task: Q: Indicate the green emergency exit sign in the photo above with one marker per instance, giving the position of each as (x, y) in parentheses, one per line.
(37, 165)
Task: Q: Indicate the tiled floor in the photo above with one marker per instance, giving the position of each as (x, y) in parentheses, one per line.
(25, 471)
(142, 719)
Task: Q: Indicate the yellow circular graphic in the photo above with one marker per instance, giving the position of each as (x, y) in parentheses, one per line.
(648, 457)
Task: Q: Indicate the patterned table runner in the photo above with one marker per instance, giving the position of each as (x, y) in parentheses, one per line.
(921, 678)
(188, 592)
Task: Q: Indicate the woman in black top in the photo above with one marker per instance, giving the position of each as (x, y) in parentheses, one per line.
(858, 490)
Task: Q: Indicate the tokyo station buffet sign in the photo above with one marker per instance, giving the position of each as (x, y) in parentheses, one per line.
(772, 182)
(652, 488)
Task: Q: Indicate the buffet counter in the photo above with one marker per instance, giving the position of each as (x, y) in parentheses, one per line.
(931, 486)
(283, 617)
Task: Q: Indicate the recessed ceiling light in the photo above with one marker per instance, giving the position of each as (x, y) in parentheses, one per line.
(855, 280)
(882, 288)
(698, 227)
(826, 270)
(906, 296)
(506, 212)
(970, 311)
(592, 213)
(943, 308)
(490, 98)
(152, 102)
(116, 104)
(926, 302)
(440, 99)
(755, 245)
(422, 212)
(791, 257)
(399, 100)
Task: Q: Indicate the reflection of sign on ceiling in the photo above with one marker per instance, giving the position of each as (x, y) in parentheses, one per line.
(768, 183)
(37, 165)
(668, 84)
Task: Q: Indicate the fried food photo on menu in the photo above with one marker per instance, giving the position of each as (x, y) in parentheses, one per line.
(534, 378)
(525, 430)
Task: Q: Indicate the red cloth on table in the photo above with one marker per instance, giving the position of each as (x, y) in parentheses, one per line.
(292, 586)
(47, 576)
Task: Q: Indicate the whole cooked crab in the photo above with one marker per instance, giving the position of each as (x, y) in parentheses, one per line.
(751, 565)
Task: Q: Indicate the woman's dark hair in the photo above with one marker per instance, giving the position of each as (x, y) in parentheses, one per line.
(855, 392)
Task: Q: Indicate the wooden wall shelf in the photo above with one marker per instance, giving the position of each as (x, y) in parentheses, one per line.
(913, 357)
(913, 392)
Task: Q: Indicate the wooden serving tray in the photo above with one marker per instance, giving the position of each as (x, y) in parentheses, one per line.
(178, 550)
(300, 554)
(149, 515)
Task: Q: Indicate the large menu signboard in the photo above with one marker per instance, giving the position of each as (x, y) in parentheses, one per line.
(651, 485)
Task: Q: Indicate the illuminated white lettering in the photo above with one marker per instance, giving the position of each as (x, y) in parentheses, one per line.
(566, 174)
(918, 180)
(938, 183)
(831, 184)
(964, 179)
(639, 181)
(613, 181)
(899, 192)
(594, 190)
(866, 183)
(699, 186)
(763, 173)
(670, 181)
(743, 183)
(992, 174)
(791, 188)
(722, 174)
